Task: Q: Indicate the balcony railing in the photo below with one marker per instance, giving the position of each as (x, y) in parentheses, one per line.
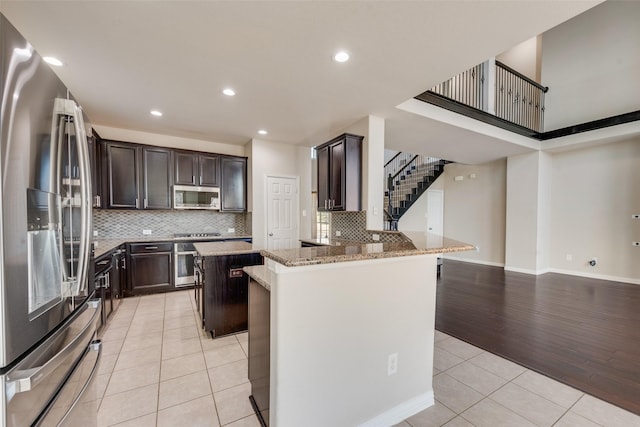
(493, 87)
(519, 99)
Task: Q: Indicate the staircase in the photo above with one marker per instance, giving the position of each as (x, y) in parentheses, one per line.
(407, 177)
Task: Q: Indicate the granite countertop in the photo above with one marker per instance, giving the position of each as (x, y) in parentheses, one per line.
(225, 248)
(421, 243)
(259, 273)
(102, 246)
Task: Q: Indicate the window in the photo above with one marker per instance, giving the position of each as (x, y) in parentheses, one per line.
(320, 230)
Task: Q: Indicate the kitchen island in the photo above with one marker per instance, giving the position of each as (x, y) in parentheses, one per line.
(222, 286)
(343, 335)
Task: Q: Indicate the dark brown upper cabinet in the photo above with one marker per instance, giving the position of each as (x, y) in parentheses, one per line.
(157, 178)
(339, 173)
(197, 169)
(137, 177)
(233, 188)
(121, 174)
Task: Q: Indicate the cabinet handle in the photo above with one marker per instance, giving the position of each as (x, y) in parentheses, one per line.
(137, 204)
(193, 179)
(325, 204)
(150, 247)
(145, 203)
(124, 263)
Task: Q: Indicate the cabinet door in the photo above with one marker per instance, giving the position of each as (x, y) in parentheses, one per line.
(233, 184)
(336, 175)
(209, 171)
(186, 168)
(122, 175)
(150, 272)
(156, 178)
(322, 155)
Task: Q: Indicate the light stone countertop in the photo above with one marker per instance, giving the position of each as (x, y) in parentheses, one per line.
(225, 248)
(102, 246)
(421, 243)
(259, 273)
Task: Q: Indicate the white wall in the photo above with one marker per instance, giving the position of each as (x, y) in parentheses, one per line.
(168, 141)
(526, 228)
(333, 327)
(271, 158)
(524, 58)
(474, 209)
(594, 193)
(591, 63)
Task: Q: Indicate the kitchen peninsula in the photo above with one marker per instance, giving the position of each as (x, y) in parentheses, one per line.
(347, 327)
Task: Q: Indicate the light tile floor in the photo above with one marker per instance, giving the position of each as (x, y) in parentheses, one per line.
(159, 369)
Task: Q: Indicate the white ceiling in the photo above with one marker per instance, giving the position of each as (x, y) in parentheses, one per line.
(123, 58)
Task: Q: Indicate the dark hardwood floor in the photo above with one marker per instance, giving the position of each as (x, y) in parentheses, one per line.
(582, 332)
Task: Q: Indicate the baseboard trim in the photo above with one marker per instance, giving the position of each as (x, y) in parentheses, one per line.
(526, 270)
(475, 261)
(596, 276)
(401, 412)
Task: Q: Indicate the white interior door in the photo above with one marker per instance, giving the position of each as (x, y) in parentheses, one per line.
(282, 208)
(435, 212)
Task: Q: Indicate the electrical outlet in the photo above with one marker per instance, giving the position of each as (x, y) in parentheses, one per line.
(338, 233)
(392, 364)
(304, 212)
(569, 257)
(95, 233)
(231, 230)
(477, 248)
(375, 237)
(146, 232)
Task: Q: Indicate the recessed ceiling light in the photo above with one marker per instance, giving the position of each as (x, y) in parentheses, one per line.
(262, 132)
(341, 56)
(229, 92)
(156, 113)
(52, 61)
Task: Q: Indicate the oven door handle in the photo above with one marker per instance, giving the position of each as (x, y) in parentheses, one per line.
(194, 253)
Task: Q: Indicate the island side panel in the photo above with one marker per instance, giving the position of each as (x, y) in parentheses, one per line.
(333, 327)
(226, 292)
(259, 347)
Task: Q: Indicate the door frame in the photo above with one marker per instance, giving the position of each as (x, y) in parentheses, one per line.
(266, 204)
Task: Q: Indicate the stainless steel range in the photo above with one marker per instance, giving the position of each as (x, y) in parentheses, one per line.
(184, 254)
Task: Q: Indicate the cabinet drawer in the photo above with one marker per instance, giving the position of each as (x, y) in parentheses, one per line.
(142, 248)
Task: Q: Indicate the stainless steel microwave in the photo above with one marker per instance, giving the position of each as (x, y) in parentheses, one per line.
(190, 197)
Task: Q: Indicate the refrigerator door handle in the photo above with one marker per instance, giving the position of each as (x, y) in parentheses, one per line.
(86, 202)
(25, 380)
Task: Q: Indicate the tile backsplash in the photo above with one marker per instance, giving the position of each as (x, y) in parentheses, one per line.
(115, 224)
(353, 226)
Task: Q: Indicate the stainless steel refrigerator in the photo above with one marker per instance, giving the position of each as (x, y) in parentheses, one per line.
(49, 353)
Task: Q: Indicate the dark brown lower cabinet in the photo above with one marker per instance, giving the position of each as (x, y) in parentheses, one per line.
(226, 292)
(150, 268)
(259, 347)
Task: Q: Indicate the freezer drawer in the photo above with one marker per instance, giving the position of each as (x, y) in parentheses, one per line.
(77, 402)
(30, 386)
